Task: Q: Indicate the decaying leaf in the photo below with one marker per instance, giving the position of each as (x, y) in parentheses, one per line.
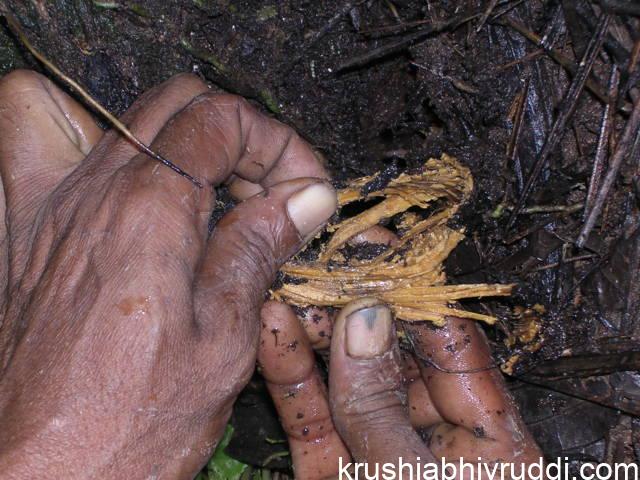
(408, 276)
(525, 335)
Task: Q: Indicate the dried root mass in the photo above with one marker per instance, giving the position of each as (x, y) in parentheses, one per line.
(409, 275)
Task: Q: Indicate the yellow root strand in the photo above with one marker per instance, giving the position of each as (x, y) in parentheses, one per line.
(409, 276)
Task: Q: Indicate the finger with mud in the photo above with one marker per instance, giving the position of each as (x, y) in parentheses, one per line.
(480, 417)
(288, 365)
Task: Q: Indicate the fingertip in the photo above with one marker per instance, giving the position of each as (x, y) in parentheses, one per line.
(318, 325)
(363, 329)
(369, 332)
(252, 241)
(368, 396)
(311, 207)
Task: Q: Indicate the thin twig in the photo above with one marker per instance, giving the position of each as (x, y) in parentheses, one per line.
(565, 389)
(514, 141)
(552, 209)
(578, 258)
(624, 146)
(507, 9)
(473, 32)
(565, 112)
(490, 6)
(560, 58)
(603, 141)
(346, 8)
(621, 7)
(525, 58)
(630, 317)
(459, 84)
(399, 28)
(553, 28)
(401, 44)
(633, 73)
(118, 125)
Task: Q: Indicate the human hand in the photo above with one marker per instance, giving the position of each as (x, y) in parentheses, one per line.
(379, 398)
(126, 331)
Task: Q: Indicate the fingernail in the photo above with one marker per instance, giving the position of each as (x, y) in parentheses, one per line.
(310, 208)
(369, 332)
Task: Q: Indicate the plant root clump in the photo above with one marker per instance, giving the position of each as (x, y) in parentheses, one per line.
(407, 275)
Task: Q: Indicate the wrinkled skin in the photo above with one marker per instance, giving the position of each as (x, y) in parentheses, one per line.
(126, 332)
(375, 404)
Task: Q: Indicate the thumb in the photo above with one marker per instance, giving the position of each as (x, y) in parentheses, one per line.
(252, 241)
(368, 400)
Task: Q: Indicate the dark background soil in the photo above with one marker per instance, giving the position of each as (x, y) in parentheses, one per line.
(453, 90)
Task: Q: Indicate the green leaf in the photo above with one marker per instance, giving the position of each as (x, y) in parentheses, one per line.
(222, 466)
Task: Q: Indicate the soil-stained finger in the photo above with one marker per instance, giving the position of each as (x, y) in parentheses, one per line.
(483, 420)
(287, 362)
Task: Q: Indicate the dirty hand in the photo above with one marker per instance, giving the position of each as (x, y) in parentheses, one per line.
(379, 400)
(126, 331)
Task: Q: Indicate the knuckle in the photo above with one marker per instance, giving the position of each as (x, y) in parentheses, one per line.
(187, 82)
(216, 101)
(232, 98)
(379, 412)
(370, 404)
(19, 80)
(375, 395)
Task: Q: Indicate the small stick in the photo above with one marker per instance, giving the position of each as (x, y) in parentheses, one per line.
(560, 58)
(311, 41)
(633, 75)
(490, 6)
(459, 84)
(549, 266)
(603, 141)
(506, 9)
(565, 112)
(118, 125)
(514, 141)
(403, 27)
(552, 209)
(398, 45)
(529, 56)
(620, 7)
(623, 148)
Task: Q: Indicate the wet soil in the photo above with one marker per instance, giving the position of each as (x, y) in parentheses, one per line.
(328, 69)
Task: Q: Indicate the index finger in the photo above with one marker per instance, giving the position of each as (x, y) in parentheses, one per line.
(215, 136)
(220, 134)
